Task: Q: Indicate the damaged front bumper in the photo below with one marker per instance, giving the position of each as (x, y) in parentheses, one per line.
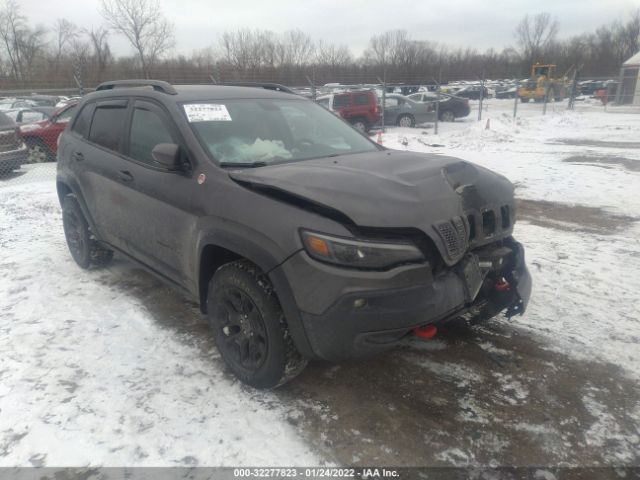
(372, 311)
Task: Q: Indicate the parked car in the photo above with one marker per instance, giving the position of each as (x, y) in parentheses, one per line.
(29, 115)
(13, 151)
(42, 137)
(472, 92)
(450, 108)
(358, 107)
(405, 112)
(299, 237)
(43, 100)
(15, 103)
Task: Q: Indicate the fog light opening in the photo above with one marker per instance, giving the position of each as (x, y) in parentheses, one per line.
(359, 303)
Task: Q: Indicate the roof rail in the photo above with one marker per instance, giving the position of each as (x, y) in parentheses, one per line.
(267, 86)
(157, 85)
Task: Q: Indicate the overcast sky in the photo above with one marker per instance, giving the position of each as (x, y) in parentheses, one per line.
(480, 24)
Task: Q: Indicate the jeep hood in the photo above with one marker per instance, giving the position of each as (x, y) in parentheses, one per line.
(393, 189)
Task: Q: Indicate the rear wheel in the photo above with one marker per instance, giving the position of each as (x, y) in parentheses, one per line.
(249, 327)
(406, 121)
(360, 124)
(447, 116)
(84, 248)
(38, 151)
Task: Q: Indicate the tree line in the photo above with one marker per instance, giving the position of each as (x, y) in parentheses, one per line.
(64, 54)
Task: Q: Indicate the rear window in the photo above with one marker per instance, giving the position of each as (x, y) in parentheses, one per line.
(361, 99)
(107, 127)
(340, 101)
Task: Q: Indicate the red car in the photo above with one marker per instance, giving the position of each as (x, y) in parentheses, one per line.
(42, 137)
(359, 107)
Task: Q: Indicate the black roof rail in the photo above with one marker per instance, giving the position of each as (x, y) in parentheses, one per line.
(267, 86)
(157, 85)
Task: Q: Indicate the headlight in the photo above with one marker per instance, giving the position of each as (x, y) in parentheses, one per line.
(359, 253)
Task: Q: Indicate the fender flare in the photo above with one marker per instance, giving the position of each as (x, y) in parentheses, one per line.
(268, 263)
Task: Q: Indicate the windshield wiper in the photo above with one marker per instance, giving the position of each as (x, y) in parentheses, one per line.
(244, 164)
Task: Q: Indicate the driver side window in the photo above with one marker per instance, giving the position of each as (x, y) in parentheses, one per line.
(148, 129)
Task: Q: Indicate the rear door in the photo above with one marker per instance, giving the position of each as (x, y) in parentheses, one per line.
(98, 162)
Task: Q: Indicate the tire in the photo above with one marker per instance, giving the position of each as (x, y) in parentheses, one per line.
(524, 100)
(360, 124)
(447, 116)
(84, 248)
(406, 120)
(38, 151)
(249, 327)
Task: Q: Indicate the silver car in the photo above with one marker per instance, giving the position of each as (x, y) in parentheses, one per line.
(404, 112)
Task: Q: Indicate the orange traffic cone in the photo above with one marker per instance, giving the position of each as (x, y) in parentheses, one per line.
(379, 137)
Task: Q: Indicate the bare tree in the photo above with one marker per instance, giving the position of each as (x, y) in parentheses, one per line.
(295, 48)
(144, 26)
(12, 27)
(534, 34)
(65, 33)
(100, 46)
(21, 43)
(332, 55)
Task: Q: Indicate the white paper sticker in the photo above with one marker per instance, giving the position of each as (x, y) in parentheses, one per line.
(207, 112)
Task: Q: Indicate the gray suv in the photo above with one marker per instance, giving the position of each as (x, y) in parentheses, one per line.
(299, 237)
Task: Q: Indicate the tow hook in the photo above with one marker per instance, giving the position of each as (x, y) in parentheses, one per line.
(501, 285)
(425, 332)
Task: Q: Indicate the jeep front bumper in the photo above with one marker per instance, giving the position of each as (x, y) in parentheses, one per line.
(347, 313)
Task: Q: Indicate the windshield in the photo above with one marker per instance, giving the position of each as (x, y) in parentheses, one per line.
(269, 131)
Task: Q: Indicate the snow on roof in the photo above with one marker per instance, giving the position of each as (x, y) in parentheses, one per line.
(633, 61)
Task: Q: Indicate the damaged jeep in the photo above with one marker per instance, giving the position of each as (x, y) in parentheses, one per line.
(298, 236)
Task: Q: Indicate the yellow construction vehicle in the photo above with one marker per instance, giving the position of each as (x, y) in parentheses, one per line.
(542, 84)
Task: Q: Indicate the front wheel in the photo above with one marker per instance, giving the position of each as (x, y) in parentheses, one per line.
(406, 121)
(249, 327)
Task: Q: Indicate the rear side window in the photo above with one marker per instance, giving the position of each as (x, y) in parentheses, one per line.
(361, 99)
(340, 101)
(83, 120)
(107, 127)
(147, 130)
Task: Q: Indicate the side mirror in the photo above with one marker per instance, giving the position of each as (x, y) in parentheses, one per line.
(166, 154)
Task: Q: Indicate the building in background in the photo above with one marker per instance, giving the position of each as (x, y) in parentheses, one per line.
(629, 93)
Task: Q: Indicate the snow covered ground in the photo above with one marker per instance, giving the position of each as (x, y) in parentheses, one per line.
(110, 368)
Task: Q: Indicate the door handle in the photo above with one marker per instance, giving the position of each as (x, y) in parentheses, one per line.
(78, 156)
(125, 176)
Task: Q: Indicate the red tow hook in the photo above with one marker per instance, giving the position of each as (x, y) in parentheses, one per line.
(425, 332)
(501, 285)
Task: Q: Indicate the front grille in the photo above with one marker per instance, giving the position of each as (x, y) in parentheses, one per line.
(488, 223)
(454, 236)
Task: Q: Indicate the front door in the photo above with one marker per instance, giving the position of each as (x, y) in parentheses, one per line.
(157, 199)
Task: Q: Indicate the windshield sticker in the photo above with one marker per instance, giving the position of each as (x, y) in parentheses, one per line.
(207, 112)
